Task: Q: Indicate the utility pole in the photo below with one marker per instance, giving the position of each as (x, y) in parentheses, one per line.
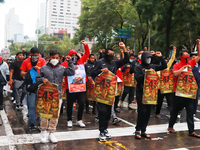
(149, 36)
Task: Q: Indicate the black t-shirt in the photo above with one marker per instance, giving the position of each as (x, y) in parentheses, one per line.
(16, 67)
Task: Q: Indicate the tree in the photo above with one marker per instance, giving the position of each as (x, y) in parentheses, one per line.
(2, 1)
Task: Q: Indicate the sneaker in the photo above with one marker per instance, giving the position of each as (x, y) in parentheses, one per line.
(69, 123)
(96, 119)
(179, 116)
(43, 136)
(1, 107)
(52, 138)
(102, 137)
(121, 104)
(195, 118)
(81, 124)
(21, 107)
(107, 134)
(17, 107)
(115, 121)
(32, 127)
(39, 128)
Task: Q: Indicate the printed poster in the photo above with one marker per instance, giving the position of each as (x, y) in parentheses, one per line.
(166, 81)
(47, 101)
(128, 78)
(119, 86)
(90, 84)
(150, 90)
(186, 85)
(77, 83)
(105, 88)
(64, 93)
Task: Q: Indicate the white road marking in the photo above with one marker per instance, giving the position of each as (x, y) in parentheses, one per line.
(88, 134)
(6, 123)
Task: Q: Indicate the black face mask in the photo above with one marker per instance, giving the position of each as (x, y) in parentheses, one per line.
(74, 59)
(109, 57)
(34, 60)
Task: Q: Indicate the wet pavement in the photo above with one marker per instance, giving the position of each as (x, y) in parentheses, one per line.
(15, 133)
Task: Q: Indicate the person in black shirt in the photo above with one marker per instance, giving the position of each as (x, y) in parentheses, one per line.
(89, 66)
(107, 64)
(18, 79)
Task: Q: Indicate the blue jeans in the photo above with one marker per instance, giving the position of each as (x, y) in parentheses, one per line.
(31, 102)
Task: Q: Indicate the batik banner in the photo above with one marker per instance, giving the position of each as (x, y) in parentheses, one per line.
(105, 88)
(166, 81)
(77, 83)
(186, 85)
(64, 93)
(90, 84)
(47, 101)
(150, 90)
(128, 78)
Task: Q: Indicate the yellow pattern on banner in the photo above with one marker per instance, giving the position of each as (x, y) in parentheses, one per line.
(114, 145)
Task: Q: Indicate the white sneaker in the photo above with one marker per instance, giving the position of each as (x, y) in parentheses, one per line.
(179, 116)
(195, 118)
(43, 136)
(52, 138)
(81, 124)
(69, 123)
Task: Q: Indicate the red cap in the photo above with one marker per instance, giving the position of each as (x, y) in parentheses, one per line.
(1, 58)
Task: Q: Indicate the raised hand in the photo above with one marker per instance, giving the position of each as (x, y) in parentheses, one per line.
(122, 45)
(83, 42)
(158, 54)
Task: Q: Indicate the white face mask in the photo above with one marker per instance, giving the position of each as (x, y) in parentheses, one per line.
(54, 62)
(139, 56)
(148, 60)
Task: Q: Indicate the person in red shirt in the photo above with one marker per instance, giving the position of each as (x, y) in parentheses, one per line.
(79, 96)
(35, 62)
(181, 102)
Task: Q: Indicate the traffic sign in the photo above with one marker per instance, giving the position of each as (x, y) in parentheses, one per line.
(124, 33)
(124, 37)
(124, 30)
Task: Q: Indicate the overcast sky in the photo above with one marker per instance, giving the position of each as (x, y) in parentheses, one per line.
(27, 10)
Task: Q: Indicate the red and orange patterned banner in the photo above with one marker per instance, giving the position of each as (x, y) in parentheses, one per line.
(47, 101)
(90, 84)
(150, 90)
(166, 81)
(105, 88)
(186, 85)
(128, 78)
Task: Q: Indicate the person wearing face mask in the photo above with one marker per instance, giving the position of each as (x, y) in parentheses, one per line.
(53, 72)
(79, 96)
(139, 73)
(128, 89)
(32, 65)
(4, 77)
(181, 102)
(107, 64)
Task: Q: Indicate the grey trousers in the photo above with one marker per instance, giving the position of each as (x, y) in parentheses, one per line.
(19, 93)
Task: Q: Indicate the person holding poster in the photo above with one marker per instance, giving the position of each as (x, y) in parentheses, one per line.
(76, 85)
(195, 71)
(53, 72)
(89, 66)
(32, 65)
(166, 86)
(181, 102)
(107, 64)
(144, 110)
(128, 82)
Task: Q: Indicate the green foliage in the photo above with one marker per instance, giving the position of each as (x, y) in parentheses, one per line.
(172, 22)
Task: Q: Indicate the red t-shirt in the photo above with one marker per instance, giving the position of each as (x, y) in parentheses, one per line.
(26, 65)
(178, 66)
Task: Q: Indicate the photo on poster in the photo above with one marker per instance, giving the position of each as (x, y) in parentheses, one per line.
(150, 89)
(90, 84)
(186, 85)
(128, 78)
(77, 83)
(47, 103)
(105, 88)
(166, 81)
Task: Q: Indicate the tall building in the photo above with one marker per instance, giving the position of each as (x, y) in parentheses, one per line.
(13, 28)
(62, 15)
